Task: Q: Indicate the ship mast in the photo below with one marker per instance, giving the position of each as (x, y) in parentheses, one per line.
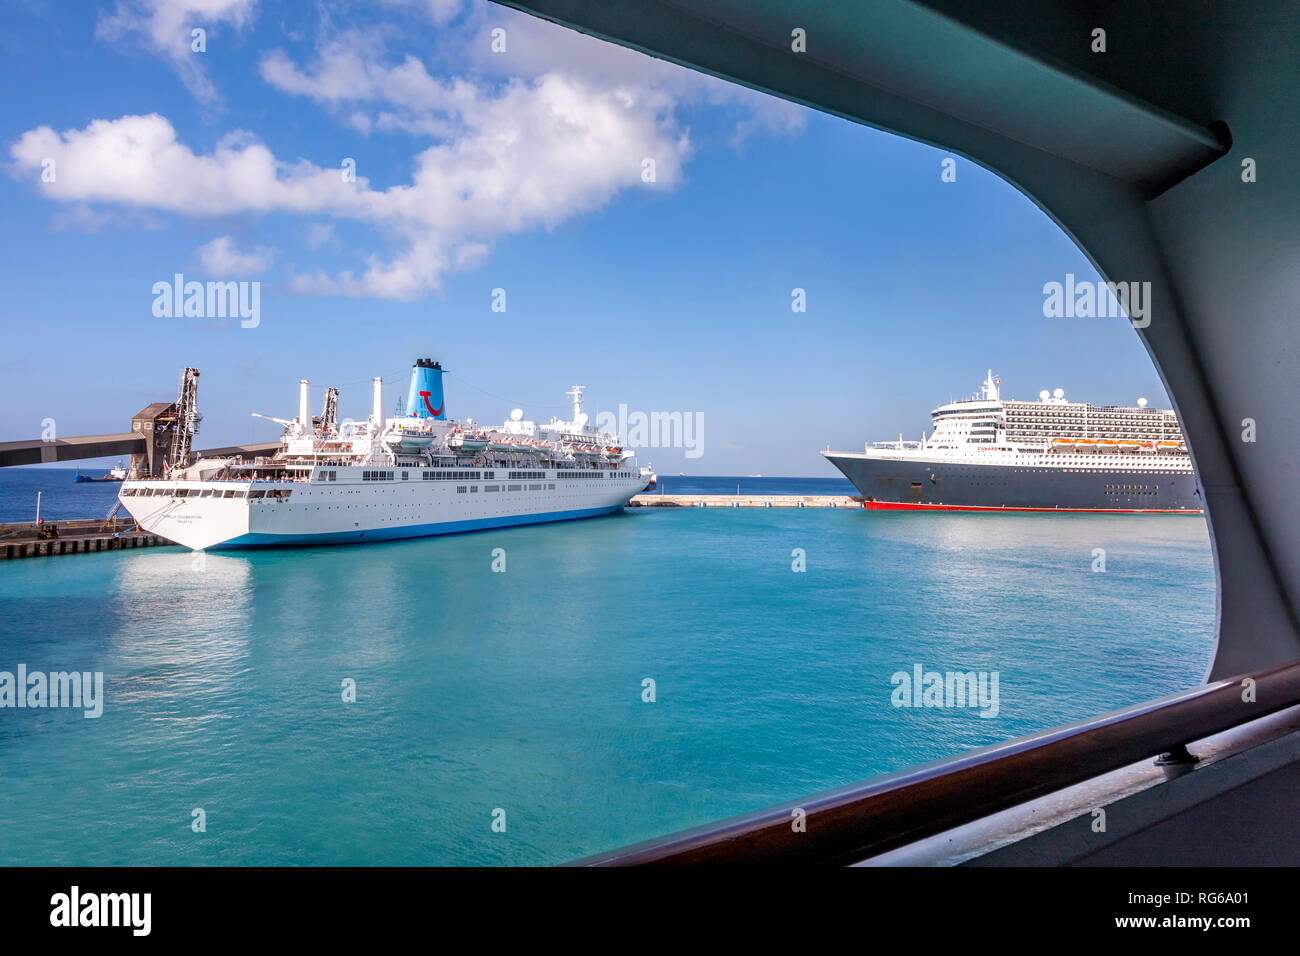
(576, 392)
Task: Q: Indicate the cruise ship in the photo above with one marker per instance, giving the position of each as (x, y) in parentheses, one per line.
(988, 453)
(408, 475)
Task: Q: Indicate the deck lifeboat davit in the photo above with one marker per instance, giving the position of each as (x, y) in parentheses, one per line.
(468, 441)
(409, 436)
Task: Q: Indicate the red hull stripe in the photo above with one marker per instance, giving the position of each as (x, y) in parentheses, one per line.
(916, 506)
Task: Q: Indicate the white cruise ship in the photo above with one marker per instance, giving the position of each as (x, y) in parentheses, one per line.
(389, 477)
(991, 453)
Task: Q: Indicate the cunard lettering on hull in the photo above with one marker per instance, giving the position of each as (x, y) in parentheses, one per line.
(408, 475)
(990, 453)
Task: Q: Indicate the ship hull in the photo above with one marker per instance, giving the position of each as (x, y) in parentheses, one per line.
(917, 484)
(221, 515)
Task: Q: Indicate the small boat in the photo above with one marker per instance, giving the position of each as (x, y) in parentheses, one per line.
(114, 474)
(468, 441)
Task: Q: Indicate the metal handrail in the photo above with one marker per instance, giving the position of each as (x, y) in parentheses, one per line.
(864, 819)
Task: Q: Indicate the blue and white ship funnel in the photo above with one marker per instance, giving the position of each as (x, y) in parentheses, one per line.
(425, 398)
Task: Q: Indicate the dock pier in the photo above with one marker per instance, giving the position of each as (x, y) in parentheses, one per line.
(29, 540)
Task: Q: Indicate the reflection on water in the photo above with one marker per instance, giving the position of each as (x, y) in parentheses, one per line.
(187, 642)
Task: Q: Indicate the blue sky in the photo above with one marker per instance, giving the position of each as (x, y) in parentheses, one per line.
(478, 170)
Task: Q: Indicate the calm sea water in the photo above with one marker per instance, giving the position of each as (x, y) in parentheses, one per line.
(62, 496)
(522, 690)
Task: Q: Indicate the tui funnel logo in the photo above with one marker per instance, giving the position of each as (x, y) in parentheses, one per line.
(424, 400)
(434, 412)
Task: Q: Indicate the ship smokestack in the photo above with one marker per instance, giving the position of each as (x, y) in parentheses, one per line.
(304, 407)
(425, 397)
(378, 413)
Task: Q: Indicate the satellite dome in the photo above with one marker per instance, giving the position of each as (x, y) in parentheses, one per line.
(1044, 395)
(1059, 393)
(583, 418)
(1142, 403)
(517, 414)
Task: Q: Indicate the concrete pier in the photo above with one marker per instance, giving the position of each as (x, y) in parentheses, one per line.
(28, 540)
(744, 501)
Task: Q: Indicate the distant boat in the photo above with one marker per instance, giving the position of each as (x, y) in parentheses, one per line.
(114, 474)
(756, 476)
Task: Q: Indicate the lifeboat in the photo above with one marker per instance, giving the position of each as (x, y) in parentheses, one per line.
(613, 453)
(468, 441)
(508, 443)
(1129, 446)
(409, 437)
(1171, 445)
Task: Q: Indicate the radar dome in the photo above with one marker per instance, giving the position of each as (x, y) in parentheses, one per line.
(583, 418)
(1142, 403)
(1044, 395)
(517, 414)
(1058, 393)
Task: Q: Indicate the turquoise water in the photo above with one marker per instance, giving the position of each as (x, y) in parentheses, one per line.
(522, 690)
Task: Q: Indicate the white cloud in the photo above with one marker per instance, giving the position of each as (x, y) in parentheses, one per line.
(164, 26)
(529, 155)
(353, 72)
(556, 128)
(138, 161)
(535, 46)
(224, 261)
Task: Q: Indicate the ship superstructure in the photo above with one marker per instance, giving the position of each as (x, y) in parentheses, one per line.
(410, 475)
(987, 452)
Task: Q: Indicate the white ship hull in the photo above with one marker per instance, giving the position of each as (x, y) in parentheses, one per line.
(210, 515)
